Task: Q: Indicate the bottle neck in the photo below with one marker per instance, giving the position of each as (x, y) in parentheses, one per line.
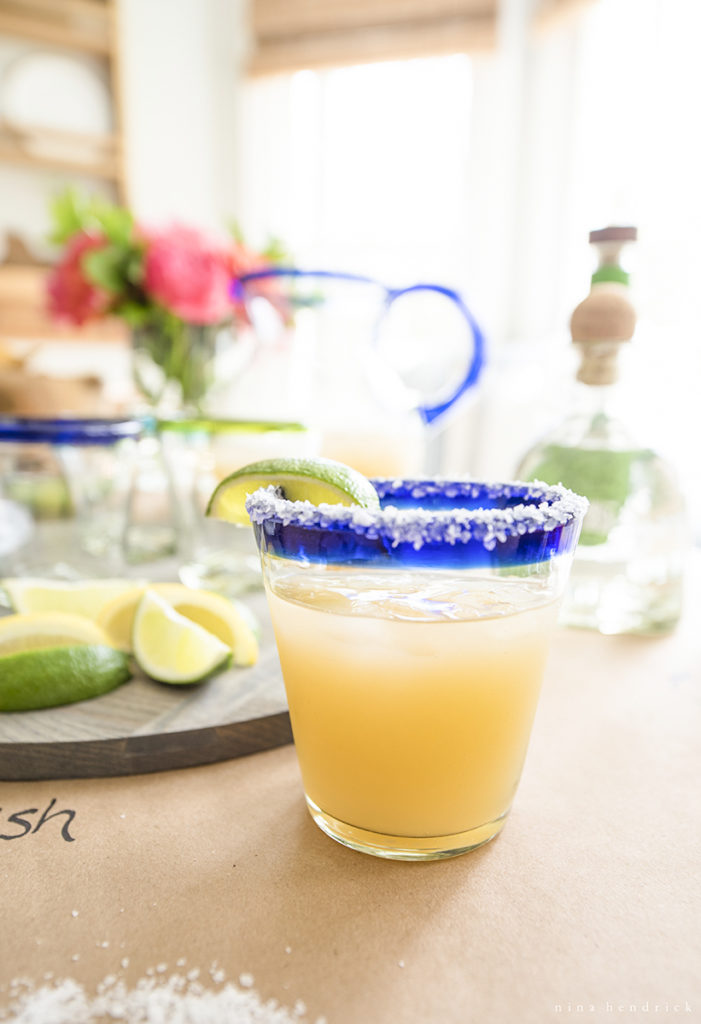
(598, 363)
(594, 399)
(598, 418)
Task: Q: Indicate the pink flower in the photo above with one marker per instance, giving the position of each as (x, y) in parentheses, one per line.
(71, 294)
(189, 274)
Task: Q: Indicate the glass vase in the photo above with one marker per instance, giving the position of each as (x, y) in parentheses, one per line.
(181, 367)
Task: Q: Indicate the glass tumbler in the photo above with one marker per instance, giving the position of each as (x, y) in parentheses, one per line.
(63, 487)
(412, 642)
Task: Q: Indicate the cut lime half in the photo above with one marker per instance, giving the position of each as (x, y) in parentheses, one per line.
(49, 676)
(319, 481)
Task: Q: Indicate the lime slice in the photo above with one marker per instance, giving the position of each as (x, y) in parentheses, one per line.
(231, 621)
(315, 480)
(33, 630)
(59, 675)
(170, 648)
(79, 597)
(117, 617)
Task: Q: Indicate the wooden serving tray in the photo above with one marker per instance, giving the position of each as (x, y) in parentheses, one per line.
(144, 726)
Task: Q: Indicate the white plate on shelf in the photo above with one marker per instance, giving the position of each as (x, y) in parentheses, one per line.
(41, 90)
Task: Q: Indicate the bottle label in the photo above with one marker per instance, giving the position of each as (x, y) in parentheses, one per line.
(604, 477)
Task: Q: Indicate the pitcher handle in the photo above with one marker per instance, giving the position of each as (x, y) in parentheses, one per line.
(430, 413)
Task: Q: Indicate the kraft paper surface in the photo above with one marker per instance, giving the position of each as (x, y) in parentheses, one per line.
(586, 906)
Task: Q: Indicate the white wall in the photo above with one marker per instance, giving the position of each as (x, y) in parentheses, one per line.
(181, 71)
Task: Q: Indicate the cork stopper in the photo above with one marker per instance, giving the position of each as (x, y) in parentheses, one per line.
(606, 317)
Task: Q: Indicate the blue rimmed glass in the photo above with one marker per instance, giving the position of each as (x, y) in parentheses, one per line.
(412, 642)
(63, 493)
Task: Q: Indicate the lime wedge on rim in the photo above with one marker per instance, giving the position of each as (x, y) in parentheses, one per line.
(300, 479)
(171, 648)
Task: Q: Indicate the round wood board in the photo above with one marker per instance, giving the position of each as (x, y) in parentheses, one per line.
(144, 726)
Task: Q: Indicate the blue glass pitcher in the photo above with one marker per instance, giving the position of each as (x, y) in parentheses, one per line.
(374, 369)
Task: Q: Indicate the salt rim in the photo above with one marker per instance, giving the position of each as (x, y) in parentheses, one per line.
(544, 508)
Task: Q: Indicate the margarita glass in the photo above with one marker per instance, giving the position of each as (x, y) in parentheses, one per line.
(412, 642)
(64, 485)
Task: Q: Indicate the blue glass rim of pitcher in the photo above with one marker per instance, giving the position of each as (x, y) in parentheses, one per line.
(441, 524)
(70, 430)
(475, 365)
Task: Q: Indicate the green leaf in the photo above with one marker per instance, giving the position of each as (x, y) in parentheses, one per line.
(134, 267)
(69, 215)
(237, 232)
(105, 267)
(116, 222)
(275, 251)
(135, 314)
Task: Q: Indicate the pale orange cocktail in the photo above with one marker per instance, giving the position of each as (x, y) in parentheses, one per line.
(412, 688)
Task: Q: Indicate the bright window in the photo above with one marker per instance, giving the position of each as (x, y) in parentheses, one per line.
(363, 168)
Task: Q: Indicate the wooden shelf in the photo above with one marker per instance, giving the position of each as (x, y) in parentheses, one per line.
(84, 25)
(90, 155)
(23, 314)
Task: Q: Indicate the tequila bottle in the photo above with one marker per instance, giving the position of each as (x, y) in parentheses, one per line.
(627, 575)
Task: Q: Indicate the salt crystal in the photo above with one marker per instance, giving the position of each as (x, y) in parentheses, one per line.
(74, 913)
(180, 962)
(161, 968)
(125, 961)
(150, 1002)
(400, 963)
(246, 980)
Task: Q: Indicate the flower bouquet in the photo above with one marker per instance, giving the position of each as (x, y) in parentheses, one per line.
(176, 288)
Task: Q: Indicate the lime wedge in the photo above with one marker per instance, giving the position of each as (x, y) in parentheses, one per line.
(50, 676)
(80, 597)
(117, 617)
(303, 479)
(172, 649)
(229, 620)
(34, 630)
